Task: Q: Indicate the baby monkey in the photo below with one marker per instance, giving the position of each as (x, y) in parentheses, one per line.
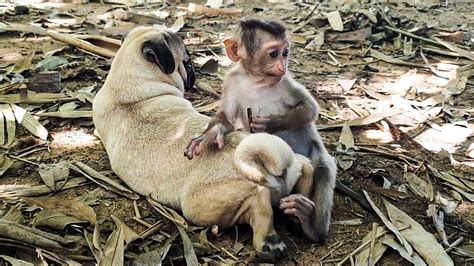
(279, 105)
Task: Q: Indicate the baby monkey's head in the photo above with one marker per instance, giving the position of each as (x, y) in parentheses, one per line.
(262, 47)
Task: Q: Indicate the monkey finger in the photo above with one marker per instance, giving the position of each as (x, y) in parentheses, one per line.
(220, 141)
(302, 199)
(260, 120)
(298, 200)
(301, 206)
(297, 213)
(203, 143)
(192, 149)
(258, 127)
(299, 197)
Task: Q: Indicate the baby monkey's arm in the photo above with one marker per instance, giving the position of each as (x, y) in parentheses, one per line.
(214, 134)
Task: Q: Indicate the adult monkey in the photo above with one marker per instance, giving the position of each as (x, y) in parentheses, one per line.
(259, 83)
(144, 121)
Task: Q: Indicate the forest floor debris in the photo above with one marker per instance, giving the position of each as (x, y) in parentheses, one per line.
(394, 82)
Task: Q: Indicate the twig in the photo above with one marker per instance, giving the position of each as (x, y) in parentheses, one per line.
(397, 156)
(165, 214)
(307, 19)
(155, 227)
(413, 35)
(456, 49)
(454, 244)
(137, 211)
(357, 250)
(338, 245)
(372, 243)
(434, 70)
(23, 160)
(140, 221)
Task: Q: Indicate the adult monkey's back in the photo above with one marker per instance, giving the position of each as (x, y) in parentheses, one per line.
(144, 123)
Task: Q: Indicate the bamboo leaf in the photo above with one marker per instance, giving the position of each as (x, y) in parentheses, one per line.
(189, 253)
(114, 249)
(424, 242)
(29, 122)
(10, 123)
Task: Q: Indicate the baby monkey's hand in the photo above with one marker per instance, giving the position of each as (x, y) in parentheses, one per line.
(198, 144)
(303, 209)
(269, 124)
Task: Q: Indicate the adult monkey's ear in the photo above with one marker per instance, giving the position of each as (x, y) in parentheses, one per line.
(159, 52)
(232, 48)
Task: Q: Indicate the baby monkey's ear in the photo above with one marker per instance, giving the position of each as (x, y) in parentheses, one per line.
(232, 48)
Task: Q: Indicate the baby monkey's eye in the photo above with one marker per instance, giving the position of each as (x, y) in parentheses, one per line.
(285, 52)
(273, 54)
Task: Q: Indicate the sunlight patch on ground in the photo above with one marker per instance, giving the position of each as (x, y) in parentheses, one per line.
(376, 136)
(73, 139)
(445, 137)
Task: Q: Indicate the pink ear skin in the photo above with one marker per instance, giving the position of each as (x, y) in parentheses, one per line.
(232, 49)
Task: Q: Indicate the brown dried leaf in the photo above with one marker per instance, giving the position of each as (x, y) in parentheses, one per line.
(29, 122)
(5, 163)
(189, 253)
(470, 151)
(13, 261)
(71, 207)
(362, 258)
(418, 185)
(438, 220)
(93, 242)
(55, 219)
(177, 25)
(37, 98)
(424, 242)
(353, 36)
(335, 20)
(23, 64)
(14, 214)
(363, 121)
(317, 42)
(391, 60)
(346, 84)
(390, 225)
(209, 107)
(202, 10)
(149, 258)
(33, 236)
(210, 67)
(51, 173)
(414, 258)
(103, 181)
(68, 114)
(10, 123)
(128, 234)
(114, 249)
(11, 191)
(456, 49)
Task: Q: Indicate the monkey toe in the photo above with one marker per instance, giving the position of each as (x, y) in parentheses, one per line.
(273, 250)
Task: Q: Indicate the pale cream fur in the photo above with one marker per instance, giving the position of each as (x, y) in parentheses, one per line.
(144, 123)
(270, 161)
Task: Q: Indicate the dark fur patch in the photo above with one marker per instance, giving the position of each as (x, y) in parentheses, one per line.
(250, 28)
(188, 65)
(159, 52)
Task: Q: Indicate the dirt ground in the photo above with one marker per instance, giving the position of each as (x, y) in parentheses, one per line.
(73, 139)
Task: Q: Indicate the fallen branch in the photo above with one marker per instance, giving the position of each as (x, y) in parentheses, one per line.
(59, 37)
